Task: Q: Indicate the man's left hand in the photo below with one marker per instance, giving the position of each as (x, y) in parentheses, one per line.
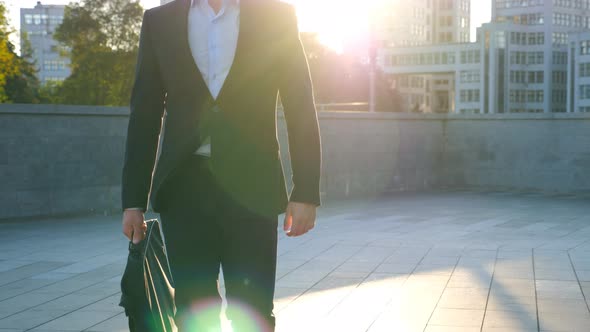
(299, 218)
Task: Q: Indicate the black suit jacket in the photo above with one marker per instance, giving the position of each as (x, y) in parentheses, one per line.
(245, 154)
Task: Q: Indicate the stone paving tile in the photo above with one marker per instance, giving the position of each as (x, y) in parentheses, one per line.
(22, 286)
(72, 302)
(333, 282)
(471, 261)
(562, 306)
(516, 320)
(76, 321)
(113, 324)
(514, 273)
(11, 264)
(549, 289)
(28, 270)
(559, 322)
(437, 328)
(26, 301)
(555, 274)
(457, 317)
(31, 318)
(508, 302)
(503, 287)
(583, 275)
(464, 298)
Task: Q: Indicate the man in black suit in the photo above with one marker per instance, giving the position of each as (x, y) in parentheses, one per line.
(215, 69)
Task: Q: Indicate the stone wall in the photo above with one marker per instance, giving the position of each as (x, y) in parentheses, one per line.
(536, 152)
(369, 154)
(57, 160)
(60, 159)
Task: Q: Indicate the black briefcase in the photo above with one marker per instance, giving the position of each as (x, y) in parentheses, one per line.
(146, 287)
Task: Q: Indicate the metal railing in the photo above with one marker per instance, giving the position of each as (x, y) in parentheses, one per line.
(347, 107)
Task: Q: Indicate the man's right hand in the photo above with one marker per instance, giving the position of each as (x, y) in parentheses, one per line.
(134, 226)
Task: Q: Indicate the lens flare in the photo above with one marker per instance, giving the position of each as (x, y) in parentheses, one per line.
(244, 318)
(207, 316)
(338, 23)
(203, 316)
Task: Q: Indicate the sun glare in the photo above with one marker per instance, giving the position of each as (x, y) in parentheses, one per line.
(338, 23)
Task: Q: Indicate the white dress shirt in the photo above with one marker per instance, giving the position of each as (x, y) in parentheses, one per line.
(213, 39)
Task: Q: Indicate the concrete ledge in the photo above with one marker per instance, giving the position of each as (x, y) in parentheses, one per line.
(45, 109)
(451, 117)
(61, 159)
(79, 110)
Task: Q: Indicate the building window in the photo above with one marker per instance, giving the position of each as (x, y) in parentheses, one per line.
(585, 69)
(558, 96)
(518, 58)
(536, 58)
(517, 76)
(472, 56)
(536, 77)
(585, 47)
(526, 110)
(520, 38)
(446, 4)
(517, 96)
(463, 22)
(521, 3)
(585, 91)
(559, 38)
(535, 96)
(577, 4)
(470, 76)
(55, 19)
(559, 77)
(469, 111)
(525, 19)
(562, 19)
(469, 96)
(559, 58)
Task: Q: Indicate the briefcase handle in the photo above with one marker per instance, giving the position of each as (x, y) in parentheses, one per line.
(141, 245)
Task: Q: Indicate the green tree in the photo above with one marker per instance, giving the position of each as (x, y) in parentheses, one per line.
(23, 87)
(101, 38)
(8, 61)
(18, 80)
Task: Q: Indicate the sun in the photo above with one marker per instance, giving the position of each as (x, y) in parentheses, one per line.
(337, 22)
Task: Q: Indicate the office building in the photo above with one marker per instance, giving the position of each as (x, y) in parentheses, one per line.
(519, 62)
(578, 83)
(422, 23)
(40, 23)
(553, 21)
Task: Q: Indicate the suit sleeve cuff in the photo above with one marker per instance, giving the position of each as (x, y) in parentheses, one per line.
(309, 197)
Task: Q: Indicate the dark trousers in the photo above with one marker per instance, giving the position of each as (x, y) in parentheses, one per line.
(205, 229)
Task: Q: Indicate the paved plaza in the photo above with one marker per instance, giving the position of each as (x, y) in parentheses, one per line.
(434, 262)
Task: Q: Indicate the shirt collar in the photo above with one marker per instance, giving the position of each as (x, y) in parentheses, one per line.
(228, 2)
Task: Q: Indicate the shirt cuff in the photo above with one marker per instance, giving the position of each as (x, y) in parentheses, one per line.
(135, 209)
